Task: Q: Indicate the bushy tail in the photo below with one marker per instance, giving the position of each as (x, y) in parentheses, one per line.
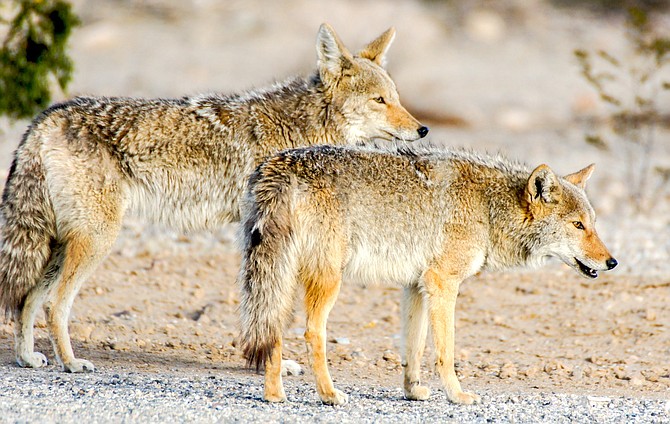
(27, 226)
(268, 278)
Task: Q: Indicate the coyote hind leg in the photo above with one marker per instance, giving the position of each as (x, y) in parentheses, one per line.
(320, 295)
(24, 322)
(24, 336)
(82, 254)
(415, 328)
(274, 388)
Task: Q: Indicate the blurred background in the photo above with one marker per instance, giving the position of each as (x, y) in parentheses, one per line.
(566, 83)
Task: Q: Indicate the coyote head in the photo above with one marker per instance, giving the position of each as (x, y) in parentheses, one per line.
(362, 92)
(565, 221)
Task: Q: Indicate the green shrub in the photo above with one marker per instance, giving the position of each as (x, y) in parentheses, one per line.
(33, 55)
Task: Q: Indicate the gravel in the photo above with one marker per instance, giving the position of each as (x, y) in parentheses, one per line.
(48, 395)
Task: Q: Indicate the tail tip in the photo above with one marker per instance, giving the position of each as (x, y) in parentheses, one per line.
(258, 355)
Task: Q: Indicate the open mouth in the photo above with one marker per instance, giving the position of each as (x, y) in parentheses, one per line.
(589, 272)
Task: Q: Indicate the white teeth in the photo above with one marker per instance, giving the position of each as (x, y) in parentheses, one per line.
(586, 270)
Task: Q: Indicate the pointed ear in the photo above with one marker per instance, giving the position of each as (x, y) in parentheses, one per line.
(543, 186)
(579, 178)
(333, 57)
(376, 50)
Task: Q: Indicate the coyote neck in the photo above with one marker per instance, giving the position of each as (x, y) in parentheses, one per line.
(297, 113)
(511, 231)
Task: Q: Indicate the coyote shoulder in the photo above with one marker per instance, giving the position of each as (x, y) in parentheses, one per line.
(421, 219)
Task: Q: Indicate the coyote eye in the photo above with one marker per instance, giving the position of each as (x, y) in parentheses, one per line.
(380, 100)
(578, 225)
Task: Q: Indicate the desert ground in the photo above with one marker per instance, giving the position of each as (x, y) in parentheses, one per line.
(483, 75)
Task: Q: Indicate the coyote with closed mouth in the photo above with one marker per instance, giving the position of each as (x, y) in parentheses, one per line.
(83, 164)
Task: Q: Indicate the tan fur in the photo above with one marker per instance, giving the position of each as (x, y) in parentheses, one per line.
(83, 164)
(421, 219)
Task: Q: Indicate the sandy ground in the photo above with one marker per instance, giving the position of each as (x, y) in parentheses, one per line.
(150, 309)
(492, 79)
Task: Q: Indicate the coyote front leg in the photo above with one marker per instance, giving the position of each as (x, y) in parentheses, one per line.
(442, 288)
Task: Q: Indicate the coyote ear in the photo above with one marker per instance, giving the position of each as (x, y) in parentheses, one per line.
(376, 50)
(334, 58)
(579, 178)
(543, 186)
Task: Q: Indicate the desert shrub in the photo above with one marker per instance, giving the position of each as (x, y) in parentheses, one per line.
(613, 6)
(33, 56)
(630, 87)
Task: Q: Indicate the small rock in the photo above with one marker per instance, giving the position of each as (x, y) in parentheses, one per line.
(371, 324)
(621, 374)
(341, 340)
(651, 376)
(391, 356)
(346, 356)
(577, 373)
(290, 367)
(81, 331)
(508, 371)
(637, 379)
(553, 366)
(358, 354)
(531, 371)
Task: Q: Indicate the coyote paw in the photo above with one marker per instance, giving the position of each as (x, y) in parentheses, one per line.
(289, 367)
(335, 398)
(417, 392)
(464, 398)
(79, 365)
(32, 360)
(275, 397)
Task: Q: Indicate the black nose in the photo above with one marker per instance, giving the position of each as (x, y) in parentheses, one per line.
(611, 263)
(423, 131)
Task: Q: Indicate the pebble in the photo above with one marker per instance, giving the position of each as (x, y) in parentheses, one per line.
(637, 379)
(359, 354)
(391, 356)
(508, 371)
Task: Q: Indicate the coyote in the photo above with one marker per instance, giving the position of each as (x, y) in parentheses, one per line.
(422, 219)
(184, 162)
